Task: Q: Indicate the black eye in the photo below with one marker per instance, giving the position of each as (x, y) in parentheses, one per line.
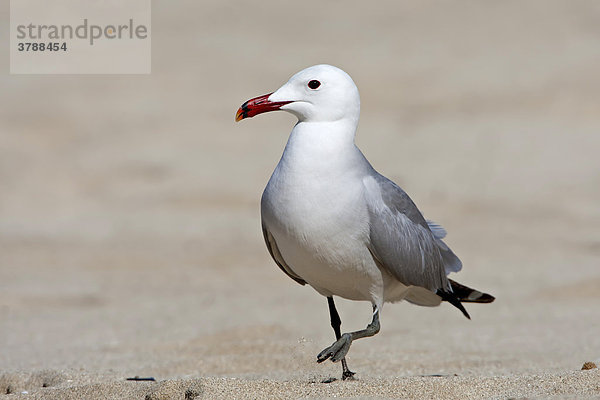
(314, 84)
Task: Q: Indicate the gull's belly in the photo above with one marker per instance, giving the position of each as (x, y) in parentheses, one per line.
(332, 264)
(324, 242)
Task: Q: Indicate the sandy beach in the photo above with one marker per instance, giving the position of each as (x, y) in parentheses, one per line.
(130, 239)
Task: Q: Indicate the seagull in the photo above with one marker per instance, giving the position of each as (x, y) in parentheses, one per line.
(331, 221)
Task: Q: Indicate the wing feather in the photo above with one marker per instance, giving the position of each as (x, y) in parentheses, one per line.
(451, 262)
(277, 257)
(400, 238)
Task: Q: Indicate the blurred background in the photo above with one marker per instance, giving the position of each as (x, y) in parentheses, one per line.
(130, 238)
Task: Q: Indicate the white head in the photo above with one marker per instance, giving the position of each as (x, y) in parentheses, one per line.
(321, 93)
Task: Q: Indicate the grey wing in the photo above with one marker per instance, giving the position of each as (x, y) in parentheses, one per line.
(400, 238)
(451, 262)
(274, 251)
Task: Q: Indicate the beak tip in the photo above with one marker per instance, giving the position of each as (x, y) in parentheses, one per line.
(239, 115)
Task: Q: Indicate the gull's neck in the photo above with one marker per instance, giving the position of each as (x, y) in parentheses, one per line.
(321, 139)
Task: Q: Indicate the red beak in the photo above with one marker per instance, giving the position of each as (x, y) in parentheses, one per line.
(258, 105)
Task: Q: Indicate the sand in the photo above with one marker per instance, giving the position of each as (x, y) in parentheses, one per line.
(130, 240)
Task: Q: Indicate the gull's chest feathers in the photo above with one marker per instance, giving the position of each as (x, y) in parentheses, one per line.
(309, 202)
(315, 192)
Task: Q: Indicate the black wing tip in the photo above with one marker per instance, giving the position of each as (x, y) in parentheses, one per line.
(452, 299)
(467, 295)
(477, 297)
(464, 311)
(485, 298)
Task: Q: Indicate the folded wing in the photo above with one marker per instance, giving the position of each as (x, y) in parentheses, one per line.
(402, 241)
(277, 257)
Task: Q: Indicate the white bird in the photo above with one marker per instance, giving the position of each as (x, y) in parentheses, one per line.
(331, 221)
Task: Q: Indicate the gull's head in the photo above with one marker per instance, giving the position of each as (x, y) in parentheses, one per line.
(322, 93)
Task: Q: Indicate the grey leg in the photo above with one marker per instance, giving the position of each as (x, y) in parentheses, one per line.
(336, 323)
(338, 350)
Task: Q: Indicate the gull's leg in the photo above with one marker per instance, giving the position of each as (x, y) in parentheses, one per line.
(336, 322)
(339, 349)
